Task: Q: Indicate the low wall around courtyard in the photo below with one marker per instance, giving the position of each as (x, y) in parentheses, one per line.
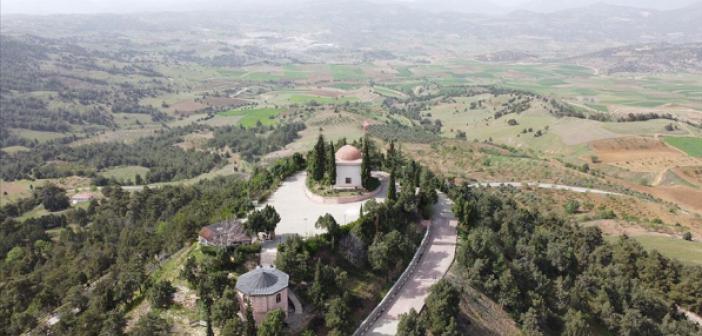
(344, 199)
(391, 295)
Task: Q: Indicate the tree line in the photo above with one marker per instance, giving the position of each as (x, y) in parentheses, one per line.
(165, 161)
(112, 250)
(322, 162)
(253, 142)
(554, 276)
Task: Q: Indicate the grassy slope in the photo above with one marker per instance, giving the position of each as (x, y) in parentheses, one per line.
(125, 172)
(250, 117)
(691, 146)
(687, 252)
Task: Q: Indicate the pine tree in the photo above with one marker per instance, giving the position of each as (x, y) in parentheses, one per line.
(316, 291)
(392, 191)
(390, 159)
(337, 315)
(411, 324)
(331, 164)
(250, 322)
(233, 327)
(365, 165)
(273, 324)
(451, 328)
(210, 331)
(319, 159)
(327, 222)
(442, 306)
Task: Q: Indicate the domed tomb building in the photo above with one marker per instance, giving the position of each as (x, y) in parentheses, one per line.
(348, 168)
(266, 288)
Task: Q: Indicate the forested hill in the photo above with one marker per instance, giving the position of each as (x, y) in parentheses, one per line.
(55, 85)
(114, 246)
(555, 277)
(160, 153)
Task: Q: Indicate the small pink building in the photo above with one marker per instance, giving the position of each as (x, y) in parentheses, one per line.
(82, 197)
(266, 288)
(224, 234)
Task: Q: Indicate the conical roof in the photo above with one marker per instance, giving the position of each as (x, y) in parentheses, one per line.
(262, 281)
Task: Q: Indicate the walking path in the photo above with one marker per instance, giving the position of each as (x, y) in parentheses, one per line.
(433, 265)
(691, 316)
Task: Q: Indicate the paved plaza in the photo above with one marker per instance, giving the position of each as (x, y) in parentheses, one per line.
(298, 213)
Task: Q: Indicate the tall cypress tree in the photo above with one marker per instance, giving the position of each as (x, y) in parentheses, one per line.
(250, 322)
(392, 192)
(316, 291)
(319, 158)
(390, 156)
(210, 332)
(365, 164)
(331, 164)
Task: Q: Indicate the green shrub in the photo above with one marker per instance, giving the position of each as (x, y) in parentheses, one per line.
(572, 206)
(161, 294)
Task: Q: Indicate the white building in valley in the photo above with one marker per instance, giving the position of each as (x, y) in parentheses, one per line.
(348, 168)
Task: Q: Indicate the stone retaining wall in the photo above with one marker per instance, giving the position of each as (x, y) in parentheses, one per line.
(368, 323)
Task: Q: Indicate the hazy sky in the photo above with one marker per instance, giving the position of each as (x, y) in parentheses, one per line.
(126, 6)
(123, 6)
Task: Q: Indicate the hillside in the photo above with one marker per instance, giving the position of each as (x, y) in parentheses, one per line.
(647, 58)
(534, 172)
(393, 27)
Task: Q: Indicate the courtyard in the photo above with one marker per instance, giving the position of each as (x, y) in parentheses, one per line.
(298, 213)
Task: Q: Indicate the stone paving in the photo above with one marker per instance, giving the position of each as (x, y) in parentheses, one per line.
(434, 264)
(298, 213)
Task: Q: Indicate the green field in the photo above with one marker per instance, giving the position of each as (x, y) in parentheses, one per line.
(346, 72)
(126, 173)
(690, 145)
(388, 92)
(250, 117)
(15, 149)
(260, 76)
(687, 252)
(37, 212)
(41, 136)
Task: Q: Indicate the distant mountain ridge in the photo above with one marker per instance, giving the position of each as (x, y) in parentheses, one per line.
(398, 28)
(448, 6)
(550, 6)
(646, 58)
